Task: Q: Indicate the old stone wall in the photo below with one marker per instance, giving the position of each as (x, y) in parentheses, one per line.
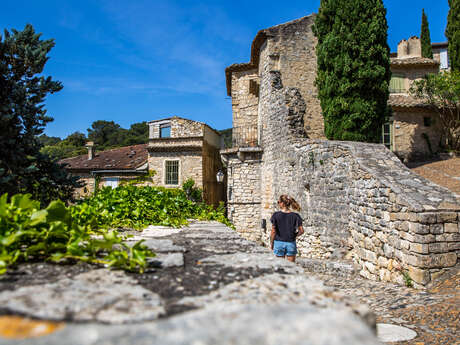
(245, 100)
(181, 128)
(190, 166)
(291, 49)
(243, 191)
(416, 133)
(356, 197)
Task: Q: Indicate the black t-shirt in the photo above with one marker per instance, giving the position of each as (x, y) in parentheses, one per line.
(286, 225)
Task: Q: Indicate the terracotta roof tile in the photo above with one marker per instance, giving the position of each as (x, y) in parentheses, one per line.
(123, 158)
(405, 101)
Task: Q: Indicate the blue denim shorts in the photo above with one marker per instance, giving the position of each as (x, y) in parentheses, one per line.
(281, 248)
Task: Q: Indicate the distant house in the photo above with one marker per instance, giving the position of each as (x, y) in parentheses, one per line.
(108, 168)
(178, 149)
(414, 130)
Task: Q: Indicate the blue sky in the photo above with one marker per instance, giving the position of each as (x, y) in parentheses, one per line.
(139, 60)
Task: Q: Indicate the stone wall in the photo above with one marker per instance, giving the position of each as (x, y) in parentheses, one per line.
(190, 166)
(181, 128)
(412, 139)
(356, 197)
(291, 49)
(243, 190)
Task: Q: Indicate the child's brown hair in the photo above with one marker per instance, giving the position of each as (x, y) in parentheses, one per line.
(289, 202)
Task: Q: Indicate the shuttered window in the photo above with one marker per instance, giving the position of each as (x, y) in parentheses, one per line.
(172, 172)
(397, 84)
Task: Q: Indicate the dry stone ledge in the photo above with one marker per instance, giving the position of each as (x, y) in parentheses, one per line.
(206, 296)
(100, 295)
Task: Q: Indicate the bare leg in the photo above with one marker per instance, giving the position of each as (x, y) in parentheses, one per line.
(291, 258)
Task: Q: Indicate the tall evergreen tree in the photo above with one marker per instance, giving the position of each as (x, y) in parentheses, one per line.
(353, 68)
(23, 169)
(453, 34)
(427, 50)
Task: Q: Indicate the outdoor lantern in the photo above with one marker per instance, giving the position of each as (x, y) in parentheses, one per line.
(220, 176)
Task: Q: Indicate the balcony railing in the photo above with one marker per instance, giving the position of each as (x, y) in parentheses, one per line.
(244, 136)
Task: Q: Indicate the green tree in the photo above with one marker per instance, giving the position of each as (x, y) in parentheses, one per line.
(453, 34)
(442, 92)
(106, 134)
(46, 140)
(138, 133)
(23, 169)
(353, 68)
(427, 50)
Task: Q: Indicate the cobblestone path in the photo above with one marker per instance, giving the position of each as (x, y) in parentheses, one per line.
(433, 313)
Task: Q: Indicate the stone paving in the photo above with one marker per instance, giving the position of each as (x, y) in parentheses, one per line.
(209, 286)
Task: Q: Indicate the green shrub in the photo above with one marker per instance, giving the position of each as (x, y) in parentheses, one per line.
(28, 233)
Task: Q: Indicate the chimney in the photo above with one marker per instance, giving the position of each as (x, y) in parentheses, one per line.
(90, 146)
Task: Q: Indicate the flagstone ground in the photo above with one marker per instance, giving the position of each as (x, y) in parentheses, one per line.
(219, 288)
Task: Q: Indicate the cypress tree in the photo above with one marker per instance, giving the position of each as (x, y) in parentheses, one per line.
(453, 34)
(353, 68)
(427, 50)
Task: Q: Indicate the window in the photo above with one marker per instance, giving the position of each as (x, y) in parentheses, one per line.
(165, 131)
(427, 121)
(172, 172)
(386, 135)
(397, 84)
(111, 182)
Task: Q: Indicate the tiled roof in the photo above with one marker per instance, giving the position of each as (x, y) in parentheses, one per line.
(123, 158)
(414, 61)
(405, 101)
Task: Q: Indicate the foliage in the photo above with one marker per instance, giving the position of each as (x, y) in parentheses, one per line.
(193, 193)
(137, 207)
(407, 279)
(28, 233)
(140, 180)
(453, 34)
(442, 93)
(105, 134)
(23, 90)
(427, 50)
(353, 68)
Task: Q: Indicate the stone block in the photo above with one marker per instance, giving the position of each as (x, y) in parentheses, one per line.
(451, 227)
(419, 276)
(405, 244)
(455, 237)
(384, 275)
(370, 267)
(418, 228)
(438, 247)
(436, 229)
(388, 250)
(453, 246)
(403, 226)
(382, 261)
(427, 218)
(419, 248)
(433, 260)
(368, 243)
(446, 217)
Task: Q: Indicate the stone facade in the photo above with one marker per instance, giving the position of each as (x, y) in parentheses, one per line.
(415, 128)
(194, 146)
(359, 201)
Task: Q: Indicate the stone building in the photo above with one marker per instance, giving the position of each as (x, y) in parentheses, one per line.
(180, 149)
(358, 200)
(415, 130)
(107, 168)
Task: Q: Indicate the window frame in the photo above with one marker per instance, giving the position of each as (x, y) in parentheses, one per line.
(164, 126)
(403, 80)
(165, 166)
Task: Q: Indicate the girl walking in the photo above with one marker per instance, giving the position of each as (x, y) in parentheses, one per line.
(286, 226)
